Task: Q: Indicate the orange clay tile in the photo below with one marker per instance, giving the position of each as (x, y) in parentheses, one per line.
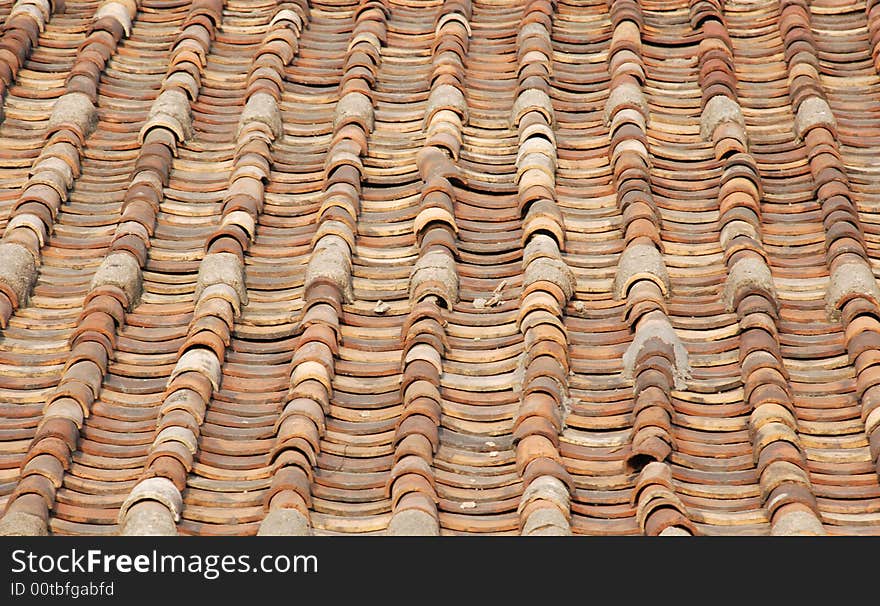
(531, 267)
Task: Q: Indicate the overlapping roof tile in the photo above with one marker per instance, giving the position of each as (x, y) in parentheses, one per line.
(439, 267)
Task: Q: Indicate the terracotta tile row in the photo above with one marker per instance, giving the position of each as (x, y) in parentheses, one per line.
(851, 296)
(656, 359)
(243, 415)
(22, 27)
(786, 489)
(89, 484)
(597, 427)
(51, 176)
(220, 290)
(434, 282)
(547, 286)
(327, 282)
(232, 467)
(477, 478)
(711, 468)
(73, 119)
(260, 125)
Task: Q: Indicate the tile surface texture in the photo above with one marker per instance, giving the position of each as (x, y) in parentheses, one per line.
(440, 267)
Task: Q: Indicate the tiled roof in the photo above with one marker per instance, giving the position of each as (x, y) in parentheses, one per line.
(439, 267)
